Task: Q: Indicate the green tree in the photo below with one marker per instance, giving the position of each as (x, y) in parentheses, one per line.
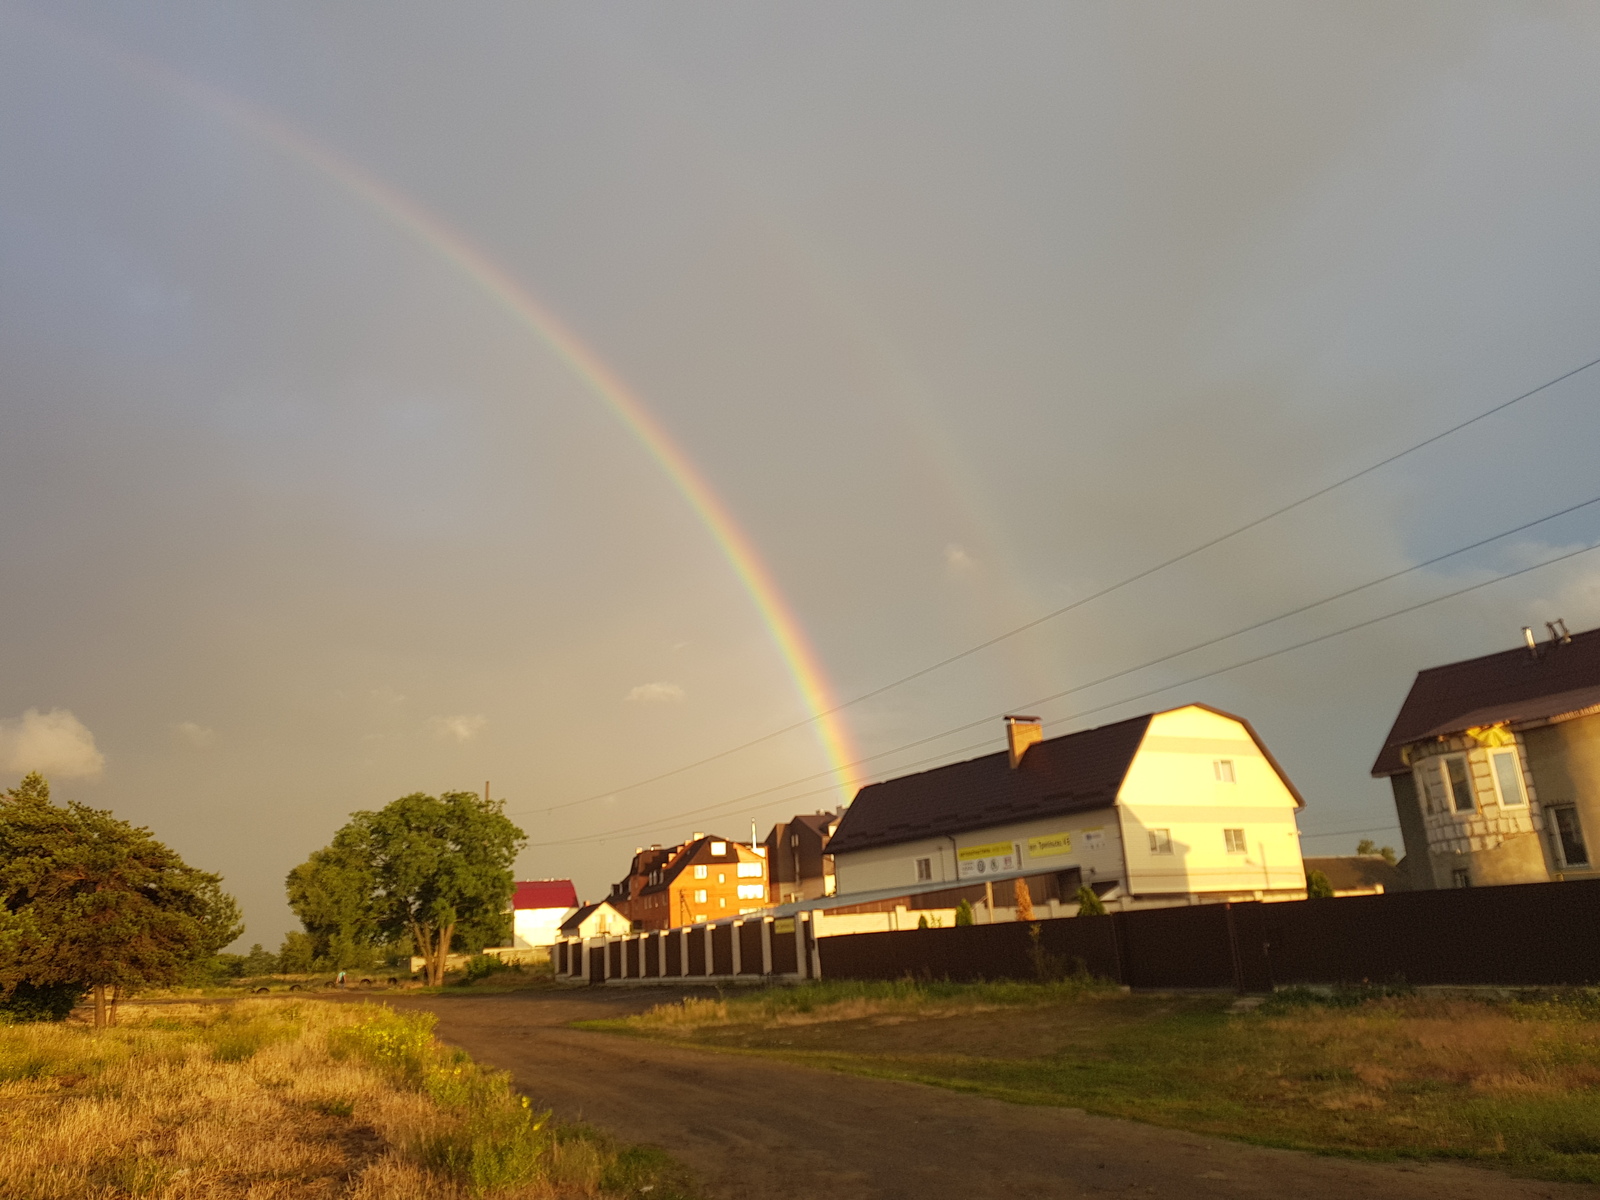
(95, 903)
(297, 955)
(435, 870)
(1089, 904)
(964, 913)
(1368, 846)
(1317, 886)
(334, 894)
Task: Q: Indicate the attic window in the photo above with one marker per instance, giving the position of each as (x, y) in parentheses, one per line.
(719, 847)
(1224, 769)
(1160, 841)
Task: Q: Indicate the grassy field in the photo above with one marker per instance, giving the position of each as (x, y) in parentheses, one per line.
(266, 1098)
(1508, 1083)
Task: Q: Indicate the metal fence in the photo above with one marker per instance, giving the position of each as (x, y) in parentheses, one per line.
(1521, 935)
(745, 949)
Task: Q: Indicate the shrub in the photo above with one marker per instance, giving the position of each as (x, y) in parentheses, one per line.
(1089, 905)
(40, 1002)
(964, 913)
(481, 966)
(1317, 886)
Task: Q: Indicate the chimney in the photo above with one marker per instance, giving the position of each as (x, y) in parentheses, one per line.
(696, 836)
(1022, 732)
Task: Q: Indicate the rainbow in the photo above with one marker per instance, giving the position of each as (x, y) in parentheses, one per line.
(784, 629)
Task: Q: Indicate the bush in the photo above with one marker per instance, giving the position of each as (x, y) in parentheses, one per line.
(40, 1002)
(1317, 886)
(481, 966)
(1089, 904)
(964, 913)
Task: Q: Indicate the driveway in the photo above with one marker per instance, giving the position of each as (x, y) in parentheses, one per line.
(755, 1129)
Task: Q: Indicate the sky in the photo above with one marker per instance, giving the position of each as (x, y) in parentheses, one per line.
(401, 397)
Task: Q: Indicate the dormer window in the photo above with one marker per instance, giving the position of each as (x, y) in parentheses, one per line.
(719, 847)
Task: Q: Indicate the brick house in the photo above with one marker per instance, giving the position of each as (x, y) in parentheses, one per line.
(647, 861)
(706, 879)
(798, 864)
(1494, 763)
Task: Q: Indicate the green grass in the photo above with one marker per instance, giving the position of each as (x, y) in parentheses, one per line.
(1380, 1073)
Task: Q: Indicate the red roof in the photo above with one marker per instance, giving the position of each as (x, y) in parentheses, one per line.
(545, 893)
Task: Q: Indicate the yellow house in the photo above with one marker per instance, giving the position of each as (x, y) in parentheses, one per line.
(1176, 807)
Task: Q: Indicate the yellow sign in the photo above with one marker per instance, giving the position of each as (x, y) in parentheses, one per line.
(993, 850)
(1050, 845)
(783, 925)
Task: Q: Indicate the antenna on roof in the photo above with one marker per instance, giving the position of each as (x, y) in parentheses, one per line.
(1527, 636)
(1560, 624)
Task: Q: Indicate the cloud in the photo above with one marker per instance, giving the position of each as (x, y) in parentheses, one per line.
(194, 733)
(461, 728)
(55, 743)
(957, 561)
(657, 693)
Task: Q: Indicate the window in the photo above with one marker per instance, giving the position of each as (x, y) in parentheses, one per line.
(722, 902)
(1460, 878)
(752, 870)
(794, 839)
(700, 896)
(722, 877)
(1161, 841)
(700, 872)
(1508, 778)
(924, 870)
(719, 847)
(1456, 770)
(752, 891)
(1235, 840)
(1568, 836)
(1224, 769)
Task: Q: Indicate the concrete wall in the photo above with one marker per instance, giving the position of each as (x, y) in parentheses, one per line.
(1492, 843)
(1564, 760)
(1413, 831)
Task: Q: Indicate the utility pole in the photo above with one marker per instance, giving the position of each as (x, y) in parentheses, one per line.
(486, 791)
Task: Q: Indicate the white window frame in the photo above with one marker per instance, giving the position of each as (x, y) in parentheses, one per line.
(719, 848)
(1236, 844)
(1516, 765)
(1223, 768)
(752, 891)
(752, 870)
(924, 870)
(1450, 786)
(701, 870)
(700, 896)
(1160, 841)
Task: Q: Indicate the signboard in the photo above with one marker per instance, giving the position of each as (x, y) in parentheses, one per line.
(783, 925)
(1094, 839)
(1051, 845)
(993, 859)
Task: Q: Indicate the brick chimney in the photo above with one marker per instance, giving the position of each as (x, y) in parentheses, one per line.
(1022, 732)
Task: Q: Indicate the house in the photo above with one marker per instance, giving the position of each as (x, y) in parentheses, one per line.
(1494, 763)
(1359, 874)
(538, 907)
(594, 920)
(708, 878)
(1176, 807)
(646, 862)
(798, 865)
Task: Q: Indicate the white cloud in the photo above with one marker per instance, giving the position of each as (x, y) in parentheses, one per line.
(957, 561)
(461, 728)
(55, 744)
(657, 693)
(193, 733)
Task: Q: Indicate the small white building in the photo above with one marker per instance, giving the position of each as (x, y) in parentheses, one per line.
(538, 907)
(1177, 807)
(595, 920)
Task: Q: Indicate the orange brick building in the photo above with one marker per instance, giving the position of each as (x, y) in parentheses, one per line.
(704, 879)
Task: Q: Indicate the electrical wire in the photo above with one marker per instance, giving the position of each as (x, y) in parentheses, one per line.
(1115, 703)
(1079, 603)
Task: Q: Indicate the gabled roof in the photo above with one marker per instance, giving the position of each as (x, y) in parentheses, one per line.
(576, 920)
(1074, 773)
(544, 893)
(699, 851)
(1513, 685)
(1350, 872)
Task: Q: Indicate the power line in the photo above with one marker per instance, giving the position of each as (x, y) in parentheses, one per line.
(1093, 596)
(1166, 687)
(1438, 558)
(1347, 832)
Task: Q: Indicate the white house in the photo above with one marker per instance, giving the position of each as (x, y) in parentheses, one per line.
(538, 907)
(595, 920)
(1175, 807)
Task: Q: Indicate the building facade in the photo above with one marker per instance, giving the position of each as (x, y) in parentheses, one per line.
(1494, 763)
(538, 907)
(799, 866)
(706, 879)
(1177, 807)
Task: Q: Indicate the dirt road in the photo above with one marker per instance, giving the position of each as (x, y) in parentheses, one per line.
(753, 1129)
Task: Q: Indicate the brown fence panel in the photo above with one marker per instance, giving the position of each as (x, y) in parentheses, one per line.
(750, 948)
(722, 949)
(597, 964)
(1176, 947)
(630, 965)
(614, 963)
(674, 952)
(652, 955)
(697, 950)
(784, 959)
(559, 956)
(972, 952)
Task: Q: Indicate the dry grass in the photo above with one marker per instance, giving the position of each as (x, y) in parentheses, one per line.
(264, 1099)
